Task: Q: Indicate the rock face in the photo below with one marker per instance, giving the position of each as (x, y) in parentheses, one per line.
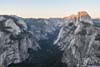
(29, 41)
(80, 42)
(15, 40)
(73, 41)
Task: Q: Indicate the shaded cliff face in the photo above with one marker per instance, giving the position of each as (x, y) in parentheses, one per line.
(26, 42)
(80, 42)
(15, 40)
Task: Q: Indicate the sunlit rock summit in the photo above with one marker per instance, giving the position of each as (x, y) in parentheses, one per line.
(80, 41)
(73, 41)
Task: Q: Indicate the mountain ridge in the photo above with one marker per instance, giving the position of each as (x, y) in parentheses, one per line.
(53, 42)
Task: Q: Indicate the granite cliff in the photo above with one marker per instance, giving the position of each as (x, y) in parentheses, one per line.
(72, 41)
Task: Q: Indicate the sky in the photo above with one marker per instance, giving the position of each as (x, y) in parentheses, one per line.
(49, 8)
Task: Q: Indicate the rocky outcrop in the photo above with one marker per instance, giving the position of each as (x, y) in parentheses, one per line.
(80, 42)
(29, 41)
(73, 41)
(15, 40)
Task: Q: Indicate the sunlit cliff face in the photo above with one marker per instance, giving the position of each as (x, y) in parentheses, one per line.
(82, 13)
(79, 14)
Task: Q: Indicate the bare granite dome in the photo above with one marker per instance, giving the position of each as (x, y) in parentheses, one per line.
(80, 42)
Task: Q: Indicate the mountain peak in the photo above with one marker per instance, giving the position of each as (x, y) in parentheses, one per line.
(82, 13)
(78, 15)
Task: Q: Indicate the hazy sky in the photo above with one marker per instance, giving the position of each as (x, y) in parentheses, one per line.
(49, 8)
